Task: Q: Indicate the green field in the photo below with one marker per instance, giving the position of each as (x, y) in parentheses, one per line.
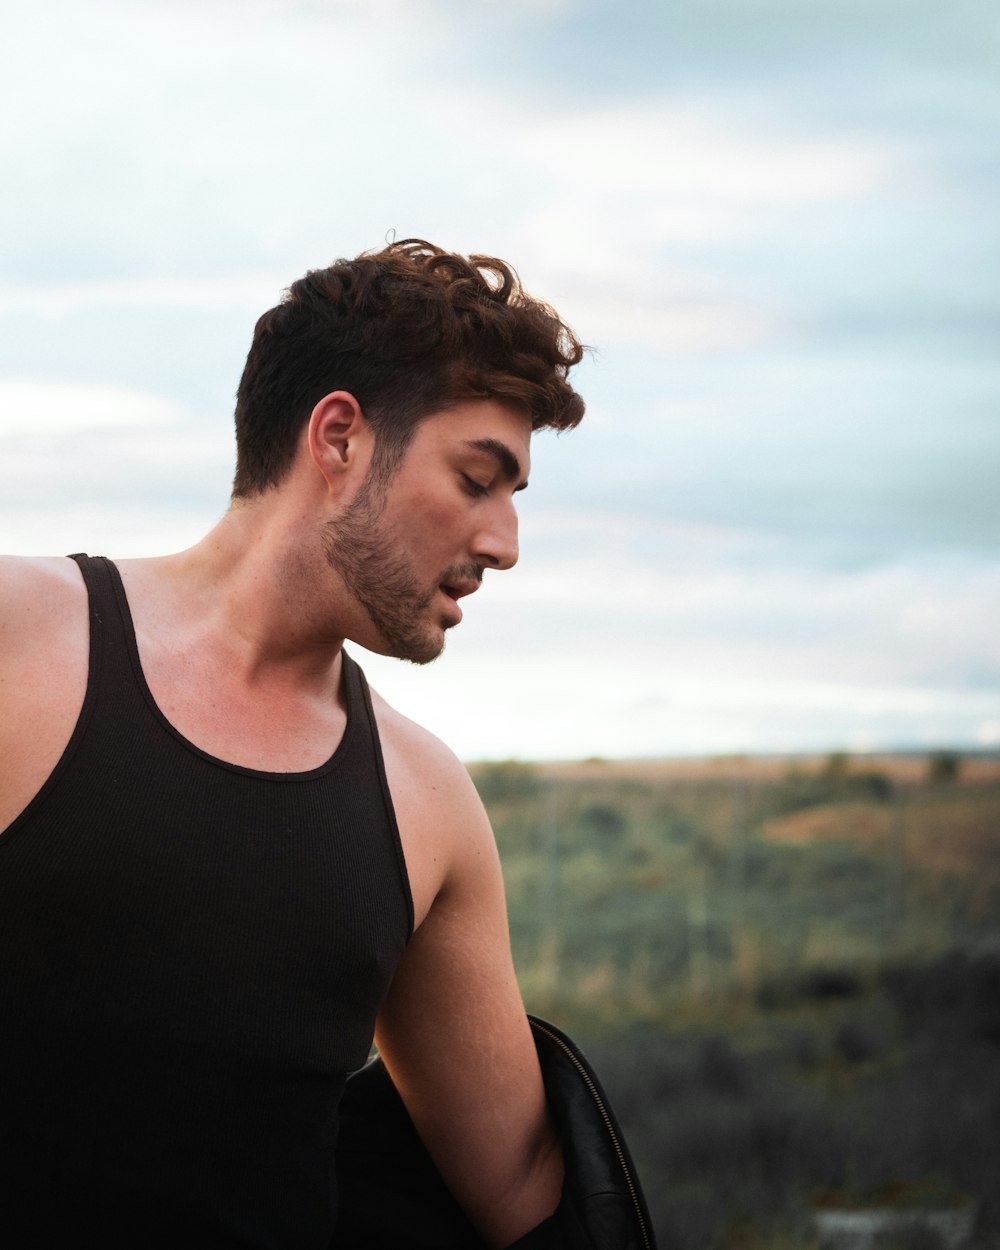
(786, 970)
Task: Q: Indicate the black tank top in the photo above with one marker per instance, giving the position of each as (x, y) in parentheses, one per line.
(192, 955)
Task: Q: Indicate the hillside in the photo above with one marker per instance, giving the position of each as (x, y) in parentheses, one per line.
(789, 968)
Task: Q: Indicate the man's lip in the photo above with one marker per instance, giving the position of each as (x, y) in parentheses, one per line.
(454, 611)
(458, 590)
(453, 591)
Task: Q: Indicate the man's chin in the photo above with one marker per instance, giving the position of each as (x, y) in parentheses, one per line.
(423, 650)
(424, 655)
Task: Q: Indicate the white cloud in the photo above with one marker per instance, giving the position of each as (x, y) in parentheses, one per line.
(676, 325)
(660, 149)
(106, 469)
(242, 293)
(676, 173)
(46, 408)
(988, 733)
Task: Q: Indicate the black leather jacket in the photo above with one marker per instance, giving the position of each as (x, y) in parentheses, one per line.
(392, 1198)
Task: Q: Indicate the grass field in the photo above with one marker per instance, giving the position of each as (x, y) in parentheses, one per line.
(787, 971)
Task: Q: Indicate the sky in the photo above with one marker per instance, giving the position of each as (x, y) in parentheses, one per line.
(774, 222)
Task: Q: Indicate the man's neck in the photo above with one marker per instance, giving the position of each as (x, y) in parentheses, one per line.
(245, 594)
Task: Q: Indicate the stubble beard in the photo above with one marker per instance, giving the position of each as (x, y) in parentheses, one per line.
(358, 547)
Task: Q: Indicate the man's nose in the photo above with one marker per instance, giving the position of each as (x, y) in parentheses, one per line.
(496, 544)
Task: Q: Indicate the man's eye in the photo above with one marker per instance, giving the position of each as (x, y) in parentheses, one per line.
(474, 487)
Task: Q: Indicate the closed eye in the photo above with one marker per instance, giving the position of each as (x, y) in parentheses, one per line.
(474, 488)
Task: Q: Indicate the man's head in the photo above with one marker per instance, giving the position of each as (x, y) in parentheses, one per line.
(408, 331)
(408, 553)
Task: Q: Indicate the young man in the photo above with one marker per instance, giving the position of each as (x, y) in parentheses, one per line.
(224, 862)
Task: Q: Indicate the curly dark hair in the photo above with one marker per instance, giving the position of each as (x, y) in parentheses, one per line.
(409, 330)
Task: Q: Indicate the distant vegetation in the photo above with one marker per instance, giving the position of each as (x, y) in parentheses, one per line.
(787, 974)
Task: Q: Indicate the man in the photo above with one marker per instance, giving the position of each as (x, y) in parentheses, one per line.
(225, 863)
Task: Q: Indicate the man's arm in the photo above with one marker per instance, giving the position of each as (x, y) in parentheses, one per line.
(453, 1031)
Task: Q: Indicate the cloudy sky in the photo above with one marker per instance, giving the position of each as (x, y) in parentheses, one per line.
(774, 220)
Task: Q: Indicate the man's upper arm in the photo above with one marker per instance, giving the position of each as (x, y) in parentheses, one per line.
(453, 1032)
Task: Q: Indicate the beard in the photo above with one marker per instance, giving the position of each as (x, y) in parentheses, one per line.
(360, 548)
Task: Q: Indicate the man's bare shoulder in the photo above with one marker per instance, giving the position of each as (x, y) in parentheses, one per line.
(421, 758)
(39, 595)
(447, 839)
(44, 640)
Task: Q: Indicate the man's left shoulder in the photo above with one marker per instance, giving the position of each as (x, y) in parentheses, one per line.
(444, 830)
(415, 755)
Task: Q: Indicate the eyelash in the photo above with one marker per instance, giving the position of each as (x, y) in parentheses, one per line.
(474, 488)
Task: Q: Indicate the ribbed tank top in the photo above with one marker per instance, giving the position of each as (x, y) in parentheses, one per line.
(192, 955)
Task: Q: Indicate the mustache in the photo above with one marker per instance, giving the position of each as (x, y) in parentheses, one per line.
(463, 573)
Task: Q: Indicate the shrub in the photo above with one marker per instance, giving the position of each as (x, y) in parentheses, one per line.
(944, 766)
(960, 990)
(603, 819)
(722, 1069)
(857, 1042)
(507, 779)
(828, 983)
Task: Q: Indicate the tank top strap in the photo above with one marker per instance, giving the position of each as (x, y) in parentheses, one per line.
(362, 720)
(110, 627)
(107, 667)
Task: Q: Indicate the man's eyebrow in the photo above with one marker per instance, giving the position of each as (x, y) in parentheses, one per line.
(509, 464)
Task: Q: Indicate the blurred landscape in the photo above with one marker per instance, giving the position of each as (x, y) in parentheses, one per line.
(785, 970)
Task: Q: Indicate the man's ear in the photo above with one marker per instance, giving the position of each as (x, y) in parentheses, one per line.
(338, 436)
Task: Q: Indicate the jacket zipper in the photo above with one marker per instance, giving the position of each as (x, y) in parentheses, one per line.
(599, 1103)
